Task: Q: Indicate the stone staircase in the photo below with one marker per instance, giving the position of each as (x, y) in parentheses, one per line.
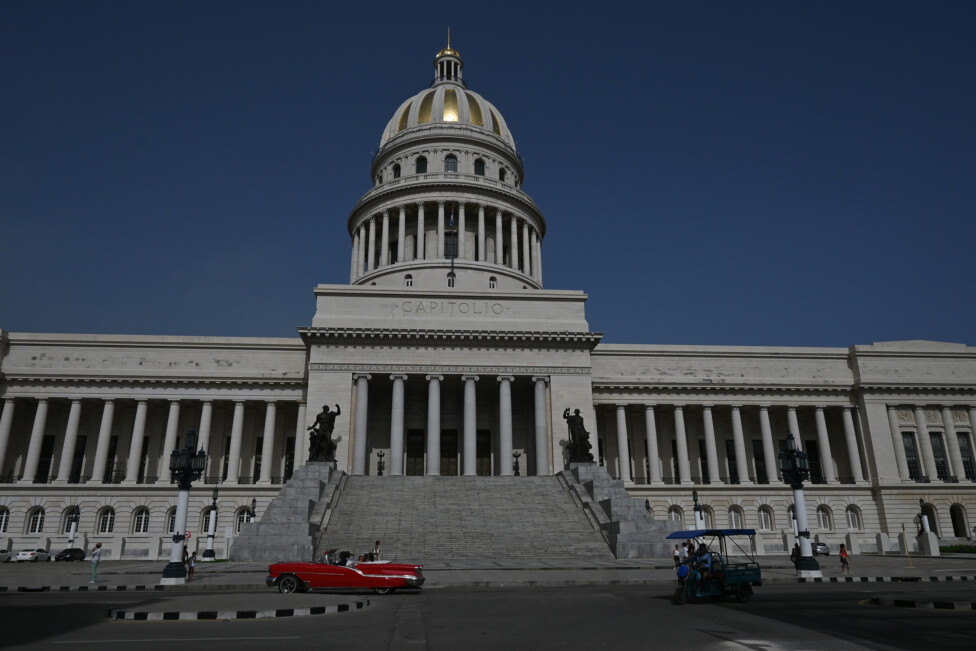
(421, 519)
(289, 528)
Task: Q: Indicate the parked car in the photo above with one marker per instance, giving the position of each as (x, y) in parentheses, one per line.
(4, 556)
(71, 554)
(382, 577)
(33, 555)
(820, 548)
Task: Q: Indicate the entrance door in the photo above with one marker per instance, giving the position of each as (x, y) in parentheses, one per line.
(415, 453)
(483, 453)
(449, 452)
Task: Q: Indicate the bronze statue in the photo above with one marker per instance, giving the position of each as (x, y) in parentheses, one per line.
(321, 447)
(579, 439)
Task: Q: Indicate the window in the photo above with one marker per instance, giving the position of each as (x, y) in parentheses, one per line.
(492, 282)
(853, 518)
(244, 515)
(450, 279)
(479, 167)
(939, 455)
(735, 517)
(396, 171)
(450, 163)
(206, 521)
(421, 165)
(140, 521)
(4, 519)
(501, 174)
(408, 280)
(675, 514)
(966, 454)
(765, 518)
(911, 455)
(709, 515)
(106, 521)
(35, 521)
(171, 521)
(379, 178)
(67, 519)
(823, 517)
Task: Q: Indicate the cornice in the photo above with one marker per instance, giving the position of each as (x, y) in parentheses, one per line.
(451, 338)
(440, 369)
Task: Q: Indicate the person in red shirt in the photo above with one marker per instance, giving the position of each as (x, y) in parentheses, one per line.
(845, 561)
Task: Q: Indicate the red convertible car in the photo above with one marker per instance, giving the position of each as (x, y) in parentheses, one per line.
(382, 577)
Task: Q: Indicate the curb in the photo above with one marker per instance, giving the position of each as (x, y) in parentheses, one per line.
(914, 603)
(225, 615)
(888, 579)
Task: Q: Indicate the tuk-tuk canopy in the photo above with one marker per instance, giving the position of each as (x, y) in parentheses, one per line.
(701, 533)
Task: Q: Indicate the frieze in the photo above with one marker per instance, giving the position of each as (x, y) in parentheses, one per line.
(960, 416)
(906, 416)
(451, 370)
(461, 309)
(933, 416)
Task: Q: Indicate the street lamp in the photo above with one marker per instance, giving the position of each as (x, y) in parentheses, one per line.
(699, 514)
(184, 466)
(515, 457)
(254, 509)
(209, 555)
(923, 519)
(379, 464)
(796, 467)
(73, 518)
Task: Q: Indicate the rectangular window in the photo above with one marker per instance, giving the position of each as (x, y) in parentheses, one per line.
(911, 455)
(759, 458)
(733, 466)
(813, 457)
(966, 452)
(938, 454)
(257, 457)
(47, 458)
(78, 461)
(703, 462)
(450, 244)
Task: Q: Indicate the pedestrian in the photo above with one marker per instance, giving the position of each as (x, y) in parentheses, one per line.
(376, 551)
(845, 561)
(795, 555)
(677, 556)
(191, 564)
(684, 552)
(96, 558)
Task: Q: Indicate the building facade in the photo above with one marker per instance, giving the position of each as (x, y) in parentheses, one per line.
(445, 355)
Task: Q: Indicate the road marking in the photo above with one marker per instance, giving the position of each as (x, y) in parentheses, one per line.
(182, 639)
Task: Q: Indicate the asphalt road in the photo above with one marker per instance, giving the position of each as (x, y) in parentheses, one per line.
(827, 616)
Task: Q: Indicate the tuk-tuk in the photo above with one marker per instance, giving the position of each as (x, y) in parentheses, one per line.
(723, 578)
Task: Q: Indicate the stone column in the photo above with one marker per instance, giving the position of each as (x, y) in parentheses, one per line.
(402, 235)
(505, 425)
(526, 260)
(71, 439)
(6, 424)
(361, 260)
(236, 436)
(535, 255)
(135, 444)
(925, 445)
(385, 240)
(623, 445)
(396, 425)
(541, 426)
(513, 227)
(371, 252)
(440, 230)
(104, 438)
(460, 234)
(710, 448)
(499, 239)
(203, 432)
(739, 443)
(794, 424)
(769, 450)
(826, 458)
(362, 423)
(481, 233)
(470, 451)
(301, 437)
(850, 438)
(352, 257)
(653, 453)
(684, 467)
(421, 233)
(434, 424)
(538, 260)
(952, 445)
(36, 439)
(898, 443)
(169, 442)
(267, 443)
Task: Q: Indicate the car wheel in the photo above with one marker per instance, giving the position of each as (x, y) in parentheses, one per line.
(384, 590)
(743, 592)
(289, 584)
(680, 596)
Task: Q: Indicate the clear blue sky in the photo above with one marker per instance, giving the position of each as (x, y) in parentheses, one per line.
(741, 173)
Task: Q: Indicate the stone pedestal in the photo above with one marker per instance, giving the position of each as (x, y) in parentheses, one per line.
(928, 544)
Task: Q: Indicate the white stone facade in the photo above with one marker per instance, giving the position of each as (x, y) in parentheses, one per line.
(447, 356)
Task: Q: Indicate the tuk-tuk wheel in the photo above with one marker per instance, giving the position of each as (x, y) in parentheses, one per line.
(743, 592)
(680, 596)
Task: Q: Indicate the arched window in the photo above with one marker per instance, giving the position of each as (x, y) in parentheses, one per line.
(450, 279)
(408, 280)
(492, 282)
(735, 517)
(35, 521)
(140, 520)
(765, 518)
(106, 521)
(501, 174)
(396, 171)
(479, 167)
(67, 519)
(171, 521)
(709, 515)
(379, 178)
(244, 515)
(675, 514)
(960, 525)
(823, 517)
(450, 163)
(421, 165)
(4, 519)
(853, 518)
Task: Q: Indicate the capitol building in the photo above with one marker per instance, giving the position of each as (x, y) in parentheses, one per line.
(447, 355)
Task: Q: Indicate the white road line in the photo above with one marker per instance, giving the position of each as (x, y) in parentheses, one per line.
(176, 640)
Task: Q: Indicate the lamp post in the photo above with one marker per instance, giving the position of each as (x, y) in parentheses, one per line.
(379, 464)
(184, 466)
(922, 518)
(209, 555)
(515, 457)
(699, 514)
(796, 467)
(72, 527)
(254, 509)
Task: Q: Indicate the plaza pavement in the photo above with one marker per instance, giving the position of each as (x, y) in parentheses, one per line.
(239, 587)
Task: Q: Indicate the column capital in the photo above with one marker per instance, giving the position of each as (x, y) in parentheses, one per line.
(470, 377)
(271, 403)
(239, 402)
(541, 378)
(399, 376)
(77, 401)
(501, 378)
(174, 401)
(439, 378)
(441, 202)
(206, 401)
(678, 407)
(649, 407)
(621, 407)
(362, 376)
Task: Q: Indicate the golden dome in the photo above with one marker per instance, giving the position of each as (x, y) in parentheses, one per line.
(449, 51)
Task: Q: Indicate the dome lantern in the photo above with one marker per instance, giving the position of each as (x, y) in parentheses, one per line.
(448, 65)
